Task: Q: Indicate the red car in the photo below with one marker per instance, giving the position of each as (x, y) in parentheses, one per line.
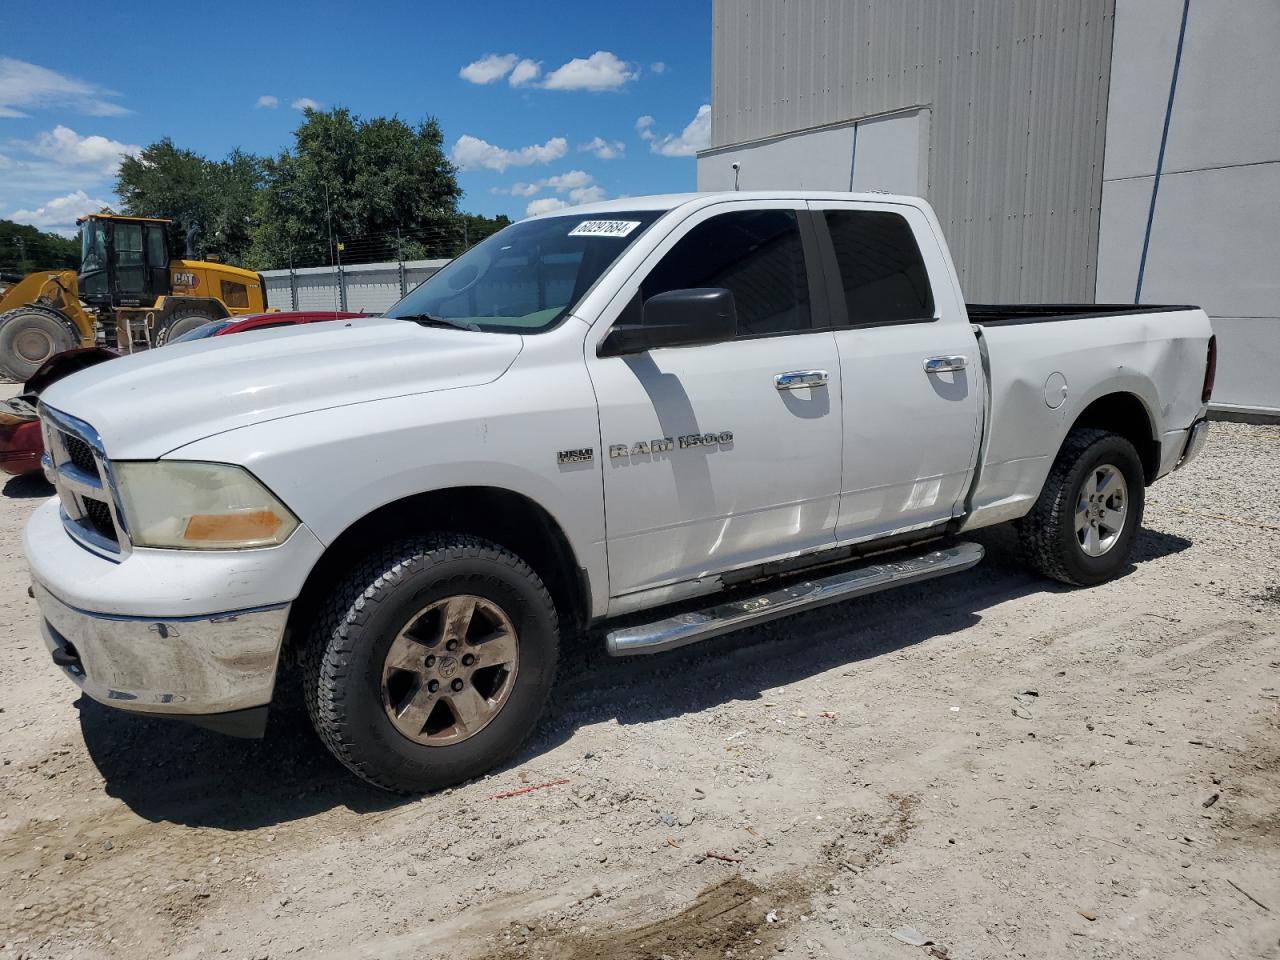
(21, 444)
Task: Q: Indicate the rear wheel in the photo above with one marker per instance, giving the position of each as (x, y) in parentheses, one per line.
(1081, 529)
(29, 336)
(432, 662)
(182, 321)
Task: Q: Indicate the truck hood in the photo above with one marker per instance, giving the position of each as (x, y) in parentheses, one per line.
(147, 404)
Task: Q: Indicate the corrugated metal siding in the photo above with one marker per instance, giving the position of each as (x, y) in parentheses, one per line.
(1018, 93)
(370, 287)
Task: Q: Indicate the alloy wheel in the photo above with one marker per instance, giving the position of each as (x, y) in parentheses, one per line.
(1101, 509)
(450, 670)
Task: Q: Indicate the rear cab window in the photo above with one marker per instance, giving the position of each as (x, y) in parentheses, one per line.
(882, 272)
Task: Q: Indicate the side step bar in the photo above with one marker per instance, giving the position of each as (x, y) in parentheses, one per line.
(685, 628)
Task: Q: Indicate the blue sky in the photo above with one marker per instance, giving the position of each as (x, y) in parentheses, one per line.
(541, 103)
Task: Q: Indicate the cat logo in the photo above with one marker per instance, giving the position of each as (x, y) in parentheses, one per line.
(186, 278)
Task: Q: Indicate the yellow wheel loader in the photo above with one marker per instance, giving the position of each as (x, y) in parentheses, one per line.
(128, 295)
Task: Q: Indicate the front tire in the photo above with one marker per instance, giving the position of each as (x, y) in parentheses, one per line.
(29, 336)
(432, 662)
(1081, 529)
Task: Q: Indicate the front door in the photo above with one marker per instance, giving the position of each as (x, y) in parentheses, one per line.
(910, 370)
(722, 455)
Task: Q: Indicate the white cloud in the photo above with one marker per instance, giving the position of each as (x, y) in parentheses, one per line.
(644, 127)
(694, 137)
(603, 149)
(572, 180)
(578, 184)
(305, 103)
(26, 86)
(66, 147)
(267, 102)
(545, 205)
(600, 71)
(524, 72)
(658, 67)
(59, 214)
(489, 68)
(521, 189)
(591, 194)
(472, 153)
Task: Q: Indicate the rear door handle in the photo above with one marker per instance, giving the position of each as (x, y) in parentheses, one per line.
(798, 379)
(945, 364)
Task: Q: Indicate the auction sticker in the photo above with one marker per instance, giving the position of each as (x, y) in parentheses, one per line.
(604, 228)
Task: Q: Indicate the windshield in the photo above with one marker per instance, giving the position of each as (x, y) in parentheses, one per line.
(93, 246)
(526, 277)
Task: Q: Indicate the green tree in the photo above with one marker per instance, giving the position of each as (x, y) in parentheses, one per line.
(219, 195)
(377, 184)
(24, 249)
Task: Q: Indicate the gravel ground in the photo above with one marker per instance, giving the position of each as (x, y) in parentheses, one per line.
(1004, 766)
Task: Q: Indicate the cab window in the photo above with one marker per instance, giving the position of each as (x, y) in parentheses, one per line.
(881, 269)
(235, 294)
(157, 248)
(758, 255)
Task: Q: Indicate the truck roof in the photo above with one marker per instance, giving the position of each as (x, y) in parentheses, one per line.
(669, 201)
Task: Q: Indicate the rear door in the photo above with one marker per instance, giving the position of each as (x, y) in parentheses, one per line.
(714, 458)
(909, 369)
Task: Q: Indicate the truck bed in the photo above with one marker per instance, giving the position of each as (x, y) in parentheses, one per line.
(1002, 314)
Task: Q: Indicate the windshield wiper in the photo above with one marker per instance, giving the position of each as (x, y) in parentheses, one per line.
(429, 320)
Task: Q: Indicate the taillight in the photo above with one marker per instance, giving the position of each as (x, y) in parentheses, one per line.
(1210, 370)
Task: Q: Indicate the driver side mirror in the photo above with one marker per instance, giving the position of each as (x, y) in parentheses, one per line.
(677, 318)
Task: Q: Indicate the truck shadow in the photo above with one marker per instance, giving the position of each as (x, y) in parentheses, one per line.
(29, 486)
(165, 770)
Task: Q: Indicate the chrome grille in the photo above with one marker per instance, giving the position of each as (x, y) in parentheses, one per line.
(79, 453)
(77, 466)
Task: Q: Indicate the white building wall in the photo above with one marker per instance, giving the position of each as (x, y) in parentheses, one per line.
(1010, 102)
(1215, 235)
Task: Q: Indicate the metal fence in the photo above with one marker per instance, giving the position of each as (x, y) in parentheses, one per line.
(360, 288)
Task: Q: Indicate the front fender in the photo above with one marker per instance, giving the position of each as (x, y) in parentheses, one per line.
(334, 467)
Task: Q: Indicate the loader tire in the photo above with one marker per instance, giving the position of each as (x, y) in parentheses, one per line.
(29, 336)
(431, 662)
(182, 321)
(1082, 527)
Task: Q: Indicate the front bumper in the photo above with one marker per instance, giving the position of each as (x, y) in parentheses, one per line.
(197, 668)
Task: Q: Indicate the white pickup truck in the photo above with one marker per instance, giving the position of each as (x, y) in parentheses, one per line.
(654, 419)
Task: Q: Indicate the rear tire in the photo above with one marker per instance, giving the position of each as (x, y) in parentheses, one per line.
(183, 321)
(29, 336)
(1081, 529)
(387, 680)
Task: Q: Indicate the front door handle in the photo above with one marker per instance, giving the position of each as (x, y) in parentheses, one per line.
(945, 364)
(798, 379)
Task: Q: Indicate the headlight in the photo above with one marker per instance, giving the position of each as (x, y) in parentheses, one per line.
(199, 506)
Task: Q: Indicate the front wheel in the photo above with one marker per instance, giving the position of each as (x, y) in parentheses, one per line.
(432, 662)
(1081, 529)
(29, 336)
